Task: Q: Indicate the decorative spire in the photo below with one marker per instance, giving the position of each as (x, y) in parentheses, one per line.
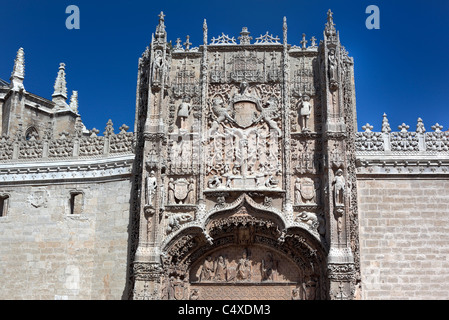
(313, 40)
(330, 26)
(18, 73)
(244, 38)
(74, 101)
(60, 83)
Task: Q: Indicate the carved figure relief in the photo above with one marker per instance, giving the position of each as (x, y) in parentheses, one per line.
(332, 69)
(183, 113)
(305, 112)
(159, 66)
(151, 188)
(176, 220)
(269, 268)
(244, 268)
(339, 188)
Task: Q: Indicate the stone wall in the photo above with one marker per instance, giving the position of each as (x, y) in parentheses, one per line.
(404, 237)
(48, 253)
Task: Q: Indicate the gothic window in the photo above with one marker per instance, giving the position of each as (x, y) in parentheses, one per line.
(76, 203)
(4, 200)
(32, 131)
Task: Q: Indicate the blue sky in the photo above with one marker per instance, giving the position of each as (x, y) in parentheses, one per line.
(401, 69)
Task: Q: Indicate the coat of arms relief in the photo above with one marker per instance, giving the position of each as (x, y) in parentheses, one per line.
(243, 149)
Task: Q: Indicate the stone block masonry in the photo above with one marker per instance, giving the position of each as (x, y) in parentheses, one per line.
(48, 253)
(404, 238)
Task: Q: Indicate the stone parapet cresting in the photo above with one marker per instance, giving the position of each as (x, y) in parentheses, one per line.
(78, 146)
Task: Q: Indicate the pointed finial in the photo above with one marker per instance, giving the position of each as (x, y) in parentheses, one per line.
(330, 25)
(385, 124)
(244, 36)
(437, 128)
(420, 126)
(60, 84)
(205, 32)
(74, 101)
(187, 44)
(18, 73)
(284, 29)
(313, 40)
(160, 29)
(304, 41)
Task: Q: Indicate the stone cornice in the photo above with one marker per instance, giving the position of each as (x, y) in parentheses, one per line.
(67, 170)
(422, 163)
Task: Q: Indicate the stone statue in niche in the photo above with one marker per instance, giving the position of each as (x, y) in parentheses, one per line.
(332, 69)
(269, 268)
(151, 187)
(171, 191)
(244, 268)
(305, 191)
(158, 66)
(305, 112)
(339, 188)
(184, 110)
(207, 270)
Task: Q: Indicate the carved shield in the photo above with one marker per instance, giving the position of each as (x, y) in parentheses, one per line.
(179, 291)
(307, 189)
(245, 113)
(181, 189)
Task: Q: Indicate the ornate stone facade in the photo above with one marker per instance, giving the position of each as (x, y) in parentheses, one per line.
(244, 168)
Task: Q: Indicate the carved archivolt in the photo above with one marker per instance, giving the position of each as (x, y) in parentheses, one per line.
(249, 246)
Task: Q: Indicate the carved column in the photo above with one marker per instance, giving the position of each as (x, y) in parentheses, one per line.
(337, 164)
(147, 264)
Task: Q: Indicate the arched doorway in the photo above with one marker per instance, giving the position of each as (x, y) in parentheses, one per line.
(251, 257)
